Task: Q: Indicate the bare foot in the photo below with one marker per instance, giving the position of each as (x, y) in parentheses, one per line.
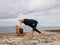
(43, 33)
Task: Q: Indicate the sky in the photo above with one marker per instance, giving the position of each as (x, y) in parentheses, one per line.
(47, 12)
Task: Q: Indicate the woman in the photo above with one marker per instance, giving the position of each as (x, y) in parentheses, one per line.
(32, 23)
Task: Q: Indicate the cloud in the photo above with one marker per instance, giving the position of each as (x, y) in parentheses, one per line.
(11, 8)
(40, 3)
(8, 22)
(45, 11)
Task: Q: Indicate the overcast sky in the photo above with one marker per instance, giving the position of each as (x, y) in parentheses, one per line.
(47, 12)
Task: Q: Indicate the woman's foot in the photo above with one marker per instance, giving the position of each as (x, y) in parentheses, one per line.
(43, 33)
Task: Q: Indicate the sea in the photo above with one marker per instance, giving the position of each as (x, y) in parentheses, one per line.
(25, 28)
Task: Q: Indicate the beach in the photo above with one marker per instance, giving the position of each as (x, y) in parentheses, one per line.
(50, 38)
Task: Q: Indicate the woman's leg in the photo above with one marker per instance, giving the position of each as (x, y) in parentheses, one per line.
(34, 27)
(36, 30)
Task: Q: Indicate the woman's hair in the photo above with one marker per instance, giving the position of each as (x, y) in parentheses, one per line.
(21, 30)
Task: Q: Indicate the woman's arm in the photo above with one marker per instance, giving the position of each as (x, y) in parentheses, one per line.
(17, 30)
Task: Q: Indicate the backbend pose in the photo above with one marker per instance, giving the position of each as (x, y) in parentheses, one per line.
(30, 22)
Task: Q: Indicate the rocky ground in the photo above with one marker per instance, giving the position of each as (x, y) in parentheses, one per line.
(50, 38)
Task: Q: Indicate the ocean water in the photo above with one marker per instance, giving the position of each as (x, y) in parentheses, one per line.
(25, 28)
